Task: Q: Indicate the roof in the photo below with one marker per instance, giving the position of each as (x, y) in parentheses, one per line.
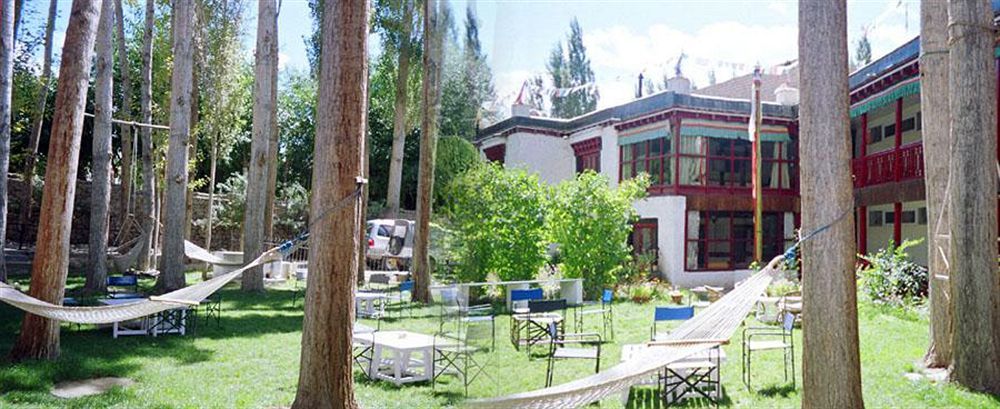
(637, 108)
(889, 62)
(739, 87)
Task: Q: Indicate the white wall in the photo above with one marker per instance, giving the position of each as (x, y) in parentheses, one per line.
(549, 156)
(669, 214)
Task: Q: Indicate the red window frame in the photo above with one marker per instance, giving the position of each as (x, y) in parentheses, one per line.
(588, 155)
(663, 158)
(774, 240)
(636, 241)
(496, 153)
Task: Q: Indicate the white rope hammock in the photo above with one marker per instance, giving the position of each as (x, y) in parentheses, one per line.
(195, 252)
(188, 296)
(713, 326)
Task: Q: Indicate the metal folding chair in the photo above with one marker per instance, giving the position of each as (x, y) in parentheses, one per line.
(558, 349)
(606, 311)
(779, 338)
(669, 314)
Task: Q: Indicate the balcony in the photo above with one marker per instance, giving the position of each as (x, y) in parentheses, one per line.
(896, 165)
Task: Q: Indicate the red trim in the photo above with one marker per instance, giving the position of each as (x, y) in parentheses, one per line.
(496, 153)
(886, 82)
(899, 138)
(588, 146)
(863, 230)
(703, 243)
(897, 223)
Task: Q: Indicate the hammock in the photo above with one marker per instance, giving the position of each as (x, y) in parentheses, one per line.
(185, 297)
(712, 327)
(193, 251)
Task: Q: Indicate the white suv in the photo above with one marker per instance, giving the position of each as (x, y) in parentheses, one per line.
(383, 252)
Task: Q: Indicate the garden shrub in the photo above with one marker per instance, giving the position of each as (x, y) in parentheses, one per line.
(498, 217)
(891, 278)
(590, 222)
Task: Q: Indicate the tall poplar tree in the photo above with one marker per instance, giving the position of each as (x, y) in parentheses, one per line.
(831, 367)
(6, 87)
(176, 173)
(325, 370)
(39, 337)
(575, 91)
(975, 283)
(100, 187)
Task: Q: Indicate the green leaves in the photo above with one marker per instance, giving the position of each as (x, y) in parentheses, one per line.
(890, 277)
(590, 223)
(505, 219)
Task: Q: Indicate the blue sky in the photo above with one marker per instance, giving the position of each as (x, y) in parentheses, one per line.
(623, 37)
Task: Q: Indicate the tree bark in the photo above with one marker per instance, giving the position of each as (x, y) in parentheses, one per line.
(125, 112)
(433, 37)
(975, 283)
(264, 109)
(325, 379)
(192, 145)
(831, 369)
(7, 23)
(147, 219)
(399, 120)
(39, 338)
(100, 187)
(18, 7)
(213, 160)
(176, 176)
(272, 146)
(27, 202)
(934, 104)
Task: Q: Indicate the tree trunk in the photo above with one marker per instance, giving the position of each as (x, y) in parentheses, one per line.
(399, 121)
(125, 112)
(100, 187)
(176, 176)
(39, 338)
(325, 374)
(192, 151)
(264, 107)
(7, 23)
(272, 146)
(975, 284)
(934, 104)
(831, 369)
(433, 37)
(18, 7)
(147, 219)
(213, 160)
(27, 202)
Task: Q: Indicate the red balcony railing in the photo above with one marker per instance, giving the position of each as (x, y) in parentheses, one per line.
(895, 165)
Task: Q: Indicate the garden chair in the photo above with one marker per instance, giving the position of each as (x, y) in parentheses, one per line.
(605, 311)
(398, 301)
(453, 311)
(467, 351)
(778, 338)
(519, 309)
(588, 347)
(542, 313)
(209, 308)
(669, 314)
(361, 352)
(123, 286)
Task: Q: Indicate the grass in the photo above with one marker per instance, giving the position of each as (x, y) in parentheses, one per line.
(252, 361)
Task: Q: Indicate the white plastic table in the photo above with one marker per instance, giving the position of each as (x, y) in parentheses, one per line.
(393, 354)
(153, 324)
(368, 303)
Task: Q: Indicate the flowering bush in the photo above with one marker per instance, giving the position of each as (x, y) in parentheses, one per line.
(890, 277)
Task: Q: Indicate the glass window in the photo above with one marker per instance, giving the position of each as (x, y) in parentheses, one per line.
(725, 240)
(652, 157)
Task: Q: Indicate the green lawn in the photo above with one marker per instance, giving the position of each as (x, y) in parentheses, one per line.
(252, 361)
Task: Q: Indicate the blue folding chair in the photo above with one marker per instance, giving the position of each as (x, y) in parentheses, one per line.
(129, 284)
(606, 312)
(670, 314)
(519, 299)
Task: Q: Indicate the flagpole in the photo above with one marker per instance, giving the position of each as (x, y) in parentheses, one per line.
(755, 118)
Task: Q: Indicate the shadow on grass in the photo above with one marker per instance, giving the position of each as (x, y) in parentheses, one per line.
(783, 391)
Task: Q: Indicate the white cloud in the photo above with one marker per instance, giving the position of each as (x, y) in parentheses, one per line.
(728, 48)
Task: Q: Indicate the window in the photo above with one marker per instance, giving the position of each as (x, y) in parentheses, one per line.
(890, 130)
(909, 124)
(875, 135)
(874, 218)
(496, 153)
(890, 217)
(650, 156)
(908, 216)
(922, 215)
(644, 238)
(724, 240)
(588, 155)
(716, 162)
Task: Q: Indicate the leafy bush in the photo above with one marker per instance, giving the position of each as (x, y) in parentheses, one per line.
(891, 278)
(455, 156)
(498, 217)
(295, 200)
(230, 209)
(591, 222)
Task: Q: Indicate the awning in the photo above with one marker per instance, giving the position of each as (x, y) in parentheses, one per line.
(663, 132)
(907, 87)
(732, 130)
